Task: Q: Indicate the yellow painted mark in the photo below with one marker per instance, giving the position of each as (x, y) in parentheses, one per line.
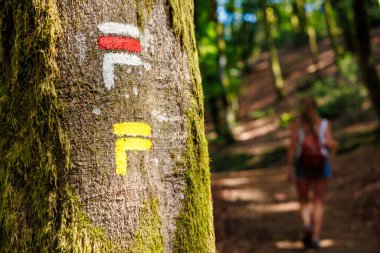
(122, 145)
(132, 128)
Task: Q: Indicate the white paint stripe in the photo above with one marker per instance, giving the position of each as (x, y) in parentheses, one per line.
(120, 29)
(109, 61)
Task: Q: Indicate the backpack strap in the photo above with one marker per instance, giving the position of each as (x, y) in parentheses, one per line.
(322, 135)
(300, 139)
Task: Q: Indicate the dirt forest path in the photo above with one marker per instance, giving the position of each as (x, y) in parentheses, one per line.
(255, 209)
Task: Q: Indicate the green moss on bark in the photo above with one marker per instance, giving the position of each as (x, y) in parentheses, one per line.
(195, 231)
(33, 149)
(144, 11)
(148, 237)
(37, 211)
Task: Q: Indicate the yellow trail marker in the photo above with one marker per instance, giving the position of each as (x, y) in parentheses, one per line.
(132, 128)
(128, 143)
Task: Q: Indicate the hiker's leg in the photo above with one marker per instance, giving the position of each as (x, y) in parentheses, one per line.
(318, 208)
(303, 196)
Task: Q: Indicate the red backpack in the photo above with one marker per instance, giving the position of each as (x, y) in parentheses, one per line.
(311, 158)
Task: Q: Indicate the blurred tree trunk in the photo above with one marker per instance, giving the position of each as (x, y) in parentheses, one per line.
(248, 40)
(294, 20)
(310, 34)
(102, 143)
(269, 19)
(206, 23)
(366, 59)
(345, 14)
(226, 113)
(332, 29)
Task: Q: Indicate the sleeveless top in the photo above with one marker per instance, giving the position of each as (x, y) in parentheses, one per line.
(321, 136)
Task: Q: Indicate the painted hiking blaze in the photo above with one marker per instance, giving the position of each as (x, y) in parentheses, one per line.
(132, 136)
(136, 141)
(118, 37)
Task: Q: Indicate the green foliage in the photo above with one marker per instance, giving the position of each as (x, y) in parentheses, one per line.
(285, 119)
(338, 98)
(258, 114)
(230, 162)
(227, 161)
(348, 68)
(356, 140)
(205, 25)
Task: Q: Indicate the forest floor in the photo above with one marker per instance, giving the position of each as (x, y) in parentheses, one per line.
(255, 209)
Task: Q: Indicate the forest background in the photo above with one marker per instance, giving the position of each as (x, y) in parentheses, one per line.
(258, 58)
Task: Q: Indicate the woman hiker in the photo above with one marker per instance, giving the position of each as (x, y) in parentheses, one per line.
(309, 166)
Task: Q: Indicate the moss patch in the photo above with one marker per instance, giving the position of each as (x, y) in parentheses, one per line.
(37, 211)
(148, 237)
(33, 149)
(76, 234)
(144, 10)
(195, 224)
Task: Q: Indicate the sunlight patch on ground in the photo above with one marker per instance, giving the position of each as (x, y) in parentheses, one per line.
(297, 245)
(275, 208)
(241, 195)
(256, 132)
(232, 181)
(359, 128)
(253, 125)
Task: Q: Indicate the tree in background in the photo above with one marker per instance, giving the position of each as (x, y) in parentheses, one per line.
(366, 59)
(308, 32)
(229, 98)
(247, 34)
(346, 22)
(269, 20)
(332, 29)
(212, 60)
(102, 140)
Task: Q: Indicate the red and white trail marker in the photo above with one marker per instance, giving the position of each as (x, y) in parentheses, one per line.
(118, 37)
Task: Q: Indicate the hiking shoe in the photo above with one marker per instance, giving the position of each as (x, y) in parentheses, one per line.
(307, 240)
(314, 245)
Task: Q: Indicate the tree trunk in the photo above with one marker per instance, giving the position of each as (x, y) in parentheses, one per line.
(366, 59)
(227, 115)
(345, 13)
(102, 139)
(278, 81)
(301, 14)
(332, 29)
(310, 34)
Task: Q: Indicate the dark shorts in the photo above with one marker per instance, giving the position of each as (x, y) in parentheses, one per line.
(300, 170)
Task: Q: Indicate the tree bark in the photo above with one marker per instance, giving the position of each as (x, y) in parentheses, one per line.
(332, 29)
(309, 33)
(102, 140)
(278, 81)
(345, 13)
(226, 115)
(366, 59)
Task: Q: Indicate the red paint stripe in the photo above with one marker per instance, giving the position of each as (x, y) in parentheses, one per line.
(119, 43)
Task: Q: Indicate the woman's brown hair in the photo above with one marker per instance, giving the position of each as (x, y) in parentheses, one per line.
(309, 115)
